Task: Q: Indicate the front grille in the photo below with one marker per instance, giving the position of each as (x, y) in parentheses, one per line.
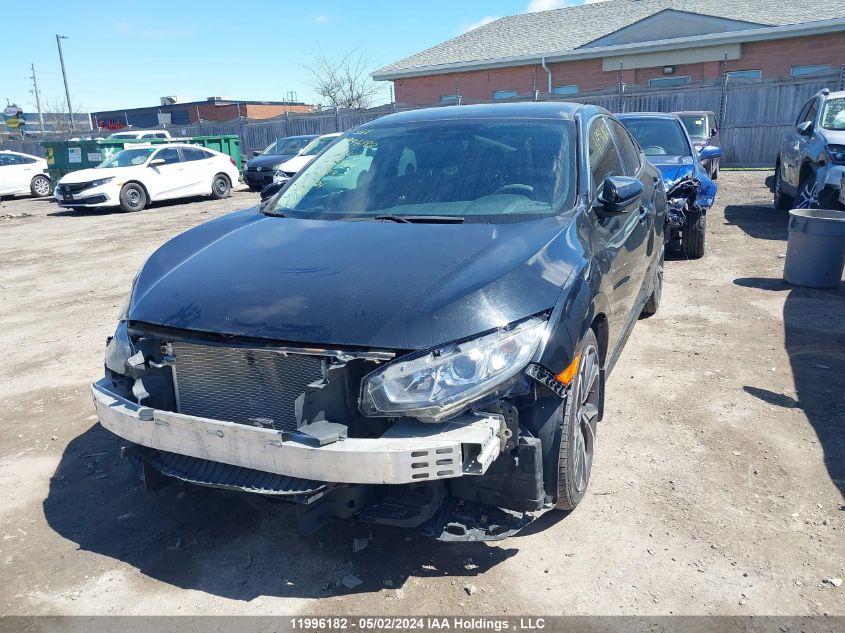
(255, 387)
(75, 187)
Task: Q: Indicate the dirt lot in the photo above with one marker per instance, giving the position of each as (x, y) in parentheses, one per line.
(717, 487)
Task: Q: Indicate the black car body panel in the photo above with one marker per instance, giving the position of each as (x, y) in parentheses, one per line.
(323, 282)
(258, 286)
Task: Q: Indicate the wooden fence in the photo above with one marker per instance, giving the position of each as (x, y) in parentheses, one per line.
(755, 114)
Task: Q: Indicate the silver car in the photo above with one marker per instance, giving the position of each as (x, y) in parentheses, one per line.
(811, 160)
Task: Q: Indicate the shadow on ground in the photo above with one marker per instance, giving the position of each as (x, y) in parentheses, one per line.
(814, 327)
(234, 545)
(758, 221)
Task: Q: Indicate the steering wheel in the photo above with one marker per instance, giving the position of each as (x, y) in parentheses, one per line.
(516, 187)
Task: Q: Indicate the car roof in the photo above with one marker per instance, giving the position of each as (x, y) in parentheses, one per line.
(11, 151)
(695, 112)
(648, 115)
(834, 95)
(520, 110)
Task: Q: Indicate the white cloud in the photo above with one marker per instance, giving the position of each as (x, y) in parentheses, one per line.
(320, 19)
(547, 5)
(487, 19)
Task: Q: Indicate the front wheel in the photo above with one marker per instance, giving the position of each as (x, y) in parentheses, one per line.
(807, 197)
(40, 187)
(692, 234)
(781, 200)
(220, 187)
(653, 302)
(578, 432)
(132, 197)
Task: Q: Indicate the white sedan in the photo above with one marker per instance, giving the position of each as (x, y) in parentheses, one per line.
(292, 166)
(22, 173)
(136, 176)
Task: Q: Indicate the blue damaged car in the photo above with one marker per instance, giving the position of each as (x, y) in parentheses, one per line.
(690, 191)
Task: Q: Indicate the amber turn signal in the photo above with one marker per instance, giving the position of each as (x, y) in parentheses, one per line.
(568, 374)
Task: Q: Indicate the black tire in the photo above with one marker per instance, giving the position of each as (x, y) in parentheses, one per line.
(692, 234)
(781, 200)
(221, 187)
(40, 187)
(578, 431)
(715, 174)
(132, 197)
(653, 302)
(806, 197)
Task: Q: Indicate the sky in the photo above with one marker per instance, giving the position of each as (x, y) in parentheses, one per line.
(124, 54)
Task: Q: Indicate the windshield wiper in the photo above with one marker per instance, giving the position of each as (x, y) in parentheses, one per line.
(421, 219)
(276, 213)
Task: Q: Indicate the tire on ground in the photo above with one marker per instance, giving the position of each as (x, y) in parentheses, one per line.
(220, 187)
(132, 197)
(40, 186)
(692, 234)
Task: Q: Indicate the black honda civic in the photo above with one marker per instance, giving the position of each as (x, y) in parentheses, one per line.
(416, 331)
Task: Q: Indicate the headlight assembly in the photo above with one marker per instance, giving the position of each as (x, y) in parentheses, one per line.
(101, 181)
(435, 386)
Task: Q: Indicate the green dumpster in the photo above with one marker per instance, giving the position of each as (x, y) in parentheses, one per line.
(64, 157)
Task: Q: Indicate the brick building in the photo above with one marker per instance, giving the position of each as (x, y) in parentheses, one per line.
(212, 109)
(646, 42)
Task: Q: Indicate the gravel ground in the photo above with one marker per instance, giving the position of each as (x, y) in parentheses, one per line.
(717, 485)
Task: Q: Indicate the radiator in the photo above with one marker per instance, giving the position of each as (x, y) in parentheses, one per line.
(255, 387)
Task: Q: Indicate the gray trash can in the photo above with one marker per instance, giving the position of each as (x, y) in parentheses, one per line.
(815, 253)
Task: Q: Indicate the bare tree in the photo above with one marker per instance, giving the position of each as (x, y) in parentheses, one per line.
(344, 81)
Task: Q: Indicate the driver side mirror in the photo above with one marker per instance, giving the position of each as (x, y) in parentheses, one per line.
(156, 162)
(619, 195)
(709, 151)
(805, 128)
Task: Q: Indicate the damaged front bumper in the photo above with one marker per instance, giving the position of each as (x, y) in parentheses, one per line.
(408, 452)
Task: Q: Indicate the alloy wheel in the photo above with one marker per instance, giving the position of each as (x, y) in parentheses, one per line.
(807, 197)
(41, 186)
(586, 416)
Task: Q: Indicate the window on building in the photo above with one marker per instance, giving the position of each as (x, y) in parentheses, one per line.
(663, 82)
(449, 99)
(746, 74)
(797, 71)
(571, 89)
(504, 94)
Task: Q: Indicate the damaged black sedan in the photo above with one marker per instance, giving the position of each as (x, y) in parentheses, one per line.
(416, 331)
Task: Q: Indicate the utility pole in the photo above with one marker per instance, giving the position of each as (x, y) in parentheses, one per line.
(59, 39)
(37, 100)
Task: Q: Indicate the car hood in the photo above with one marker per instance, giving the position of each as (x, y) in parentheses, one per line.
(87, 175)
(296, 163)
(354, 283)
(834, 137)
(270, 161)
(673, 168)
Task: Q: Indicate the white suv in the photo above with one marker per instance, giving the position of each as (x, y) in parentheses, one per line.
(22, 173)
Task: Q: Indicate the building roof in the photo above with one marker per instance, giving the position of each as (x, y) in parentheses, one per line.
(561, 30)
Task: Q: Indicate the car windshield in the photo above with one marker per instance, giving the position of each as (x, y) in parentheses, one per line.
(316, 146)
(833, 114)
(128, 158)
(659, 137)
(499, 170)
(285, 146)
(696, 125)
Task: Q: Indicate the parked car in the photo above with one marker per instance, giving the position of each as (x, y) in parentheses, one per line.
(259, 171)
(291, 167)
(691, 192)
(137, 176)
(139, 135)
(811, 160)
(422, 348)
(701, 127)
(23, 173)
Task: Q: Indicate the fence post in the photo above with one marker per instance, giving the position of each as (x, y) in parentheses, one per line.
(842, 77)
(620, 107)
(336, 119)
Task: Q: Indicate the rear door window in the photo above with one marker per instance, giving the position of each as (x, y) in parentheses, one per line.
(628, 150)
(190, 153)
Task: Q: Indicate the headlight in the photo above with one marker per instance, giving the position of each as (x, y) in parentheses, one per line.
(119, 350)
(101, 181)
(280, 177)
(836, 154)
(444, 381)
